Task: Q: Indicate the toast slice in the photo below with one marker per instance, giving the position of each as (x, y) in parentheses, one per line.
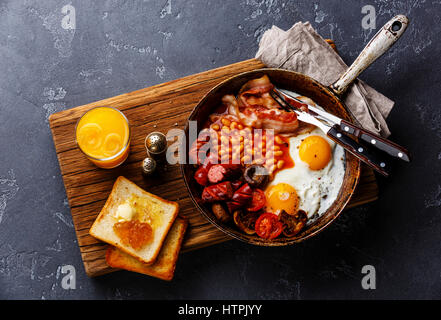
(165, 264)
(144, 207)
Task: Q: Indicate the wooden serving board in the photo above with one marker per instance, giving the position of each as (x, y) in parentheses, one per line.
(158, 108)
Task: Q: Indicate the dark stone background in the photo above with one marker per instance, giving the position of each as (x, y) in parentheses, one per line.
(121, 46)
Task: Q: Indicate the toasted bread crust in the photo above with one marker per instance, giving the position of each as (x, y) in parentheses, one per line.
(111, 202)
(164, 266)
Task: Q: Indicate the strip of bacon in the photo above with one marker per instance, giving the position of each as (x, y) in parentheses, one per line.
(256, 108)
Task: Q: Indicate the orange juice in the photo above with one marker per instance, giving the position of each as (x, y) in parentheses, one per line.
(103, 135)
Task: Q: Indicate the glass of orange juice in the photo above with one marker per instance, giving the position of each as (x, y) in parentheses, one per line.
(103, 135)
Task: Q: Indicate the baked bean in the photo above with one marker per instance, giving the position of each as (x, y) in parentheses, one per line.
(280, 164)
(226, 122)
(278, 140)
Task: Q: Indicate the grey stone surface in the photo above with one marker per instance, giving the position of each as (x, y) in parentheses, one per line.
(121, 46)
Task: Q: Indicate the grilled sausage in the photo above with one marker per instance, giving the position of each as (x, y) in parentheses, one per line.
(240, 198)
(222, 172)
(236, 184)
(201, 174)
(218, 192)
(220, 213)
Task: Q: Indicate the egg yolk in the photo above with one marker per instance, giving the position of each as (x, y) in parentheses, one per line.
(280, 197)
(315, 151)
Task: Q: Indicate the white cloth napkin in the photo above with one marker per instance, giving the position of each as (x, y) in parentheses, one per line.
(303, 50)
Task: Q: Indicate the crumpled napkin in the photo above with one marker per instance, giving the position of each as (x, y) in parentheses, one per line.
(303, 50)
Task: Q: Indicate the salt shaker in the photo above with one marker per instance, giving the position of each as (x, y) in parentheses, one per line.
(156, 145)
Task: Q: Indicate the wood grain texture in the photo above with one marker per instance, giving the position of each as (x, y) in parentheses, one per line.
(158, 108)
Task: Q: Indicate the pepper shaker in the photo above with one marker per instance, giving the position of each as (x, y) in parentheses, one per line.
(148, 166)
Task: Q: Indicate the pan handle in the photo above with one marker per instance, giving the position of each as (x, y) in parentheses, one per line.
(379, 44)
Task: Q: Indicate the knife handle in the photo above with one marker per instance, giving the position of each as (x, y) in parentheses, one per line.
(360, 151)
(385, 145)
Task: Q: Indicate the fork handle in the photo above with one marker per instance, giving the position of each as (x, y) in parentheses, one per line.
(385, 145)
(361, 152)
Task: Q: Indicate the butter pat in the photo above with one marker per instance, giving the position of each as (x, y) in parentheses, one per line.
(124, 212)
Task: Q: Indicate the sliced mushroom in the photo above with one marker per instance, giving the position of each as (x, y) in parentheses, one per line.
(245, 221)
(293, 224)
(256, 175)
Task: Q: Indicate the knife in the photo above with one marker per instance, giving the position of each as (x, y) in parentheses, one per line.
(380, 143)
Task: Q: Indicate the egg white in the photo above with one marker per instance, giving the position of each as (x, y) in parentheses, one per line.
(317, 189)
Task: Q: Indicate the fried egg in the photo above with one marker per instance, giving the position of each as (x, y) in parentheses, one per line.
(314, 181)
(282, 196)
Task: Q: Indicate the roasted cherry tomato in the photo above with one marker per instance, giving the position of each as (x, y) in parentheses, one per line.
(268, 226)
(258, 201)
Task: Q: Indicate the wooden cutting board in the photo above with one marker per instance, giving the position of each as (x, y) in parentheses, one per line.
(158, 108)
